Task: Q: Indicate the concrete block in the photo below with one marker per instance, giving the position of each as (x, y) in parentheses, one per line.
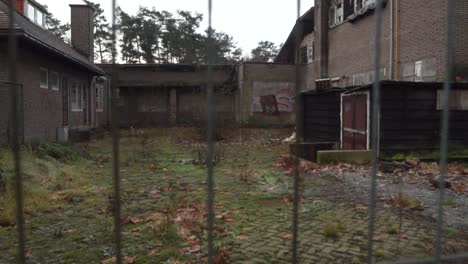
(348, 156)
(308, 150)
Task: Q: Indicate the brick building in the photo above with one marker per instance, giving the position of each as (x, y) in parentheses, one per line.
(60, 88)
(338, 41)
(334, 43)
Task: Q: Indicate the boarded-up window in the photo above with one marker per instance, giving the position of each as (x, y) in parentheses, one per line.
(458, 100)
(310, 53)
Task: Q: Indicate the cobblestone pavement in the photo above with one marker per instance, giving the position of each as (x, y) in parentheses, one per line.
(333, 229)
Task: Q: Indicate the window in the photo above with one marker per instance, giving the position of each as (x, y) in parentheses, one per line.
(99, 97)
(336, 12)
(304, 55)
(36, 15)
(54, 81)
(76, 96)
(310, 53)
(31, 12)
(39, 18)
(418, 71)
(357, 5)
(44, 78)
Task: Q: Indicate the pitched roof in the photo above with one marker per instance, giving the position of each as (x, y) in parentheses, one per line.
(303, 26)
(44, 38)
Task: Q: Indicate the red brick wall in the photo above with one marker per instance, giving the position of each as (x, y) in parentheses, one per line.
(20, 6)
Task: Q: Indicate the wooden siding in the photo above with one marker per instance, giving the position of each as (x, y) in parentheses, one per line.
(410, 120)
(322, 117)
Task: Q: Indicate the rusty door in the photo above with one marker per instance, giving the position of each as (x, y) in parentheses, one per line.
(354, 125)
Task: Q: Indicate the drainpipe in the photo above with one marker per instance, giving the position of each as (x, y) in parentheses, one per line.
(392, 40)
(396, 39)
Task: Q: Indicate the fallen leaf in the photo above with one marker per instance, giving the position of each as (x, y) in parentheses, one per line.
(129, 260)
(71, 231)
(153, 252)
(109, 261)
(155, 217)
(131, 219)
(241, 238)
(288, 236)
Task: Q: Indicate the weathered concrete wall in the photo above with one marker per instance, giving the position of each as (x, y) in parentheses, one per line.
(170, 75)
(167, 95)
(267, 94)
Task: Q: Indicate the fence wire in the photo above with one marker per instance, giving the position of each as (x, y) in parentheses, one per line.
(437, 258)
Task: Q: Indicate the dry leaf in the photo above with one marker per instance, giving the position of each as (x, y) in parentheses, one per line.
(129, 260)
(153, 252)
(288, 236)
(109, 261)
(71, 231)
(132, 220)
(241, 238)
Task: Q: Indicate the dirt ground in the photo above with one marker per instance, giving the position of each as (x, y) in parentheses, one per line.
(69, 206)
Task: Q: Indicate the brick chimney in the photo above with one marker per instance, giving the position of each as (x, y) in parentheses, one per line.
(20, 5)
(82, 29)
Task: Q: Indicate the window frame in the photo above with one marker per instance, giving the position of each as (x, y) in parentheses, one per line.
(52, 87)
(76, 96)
(99, 97)
(41, 84)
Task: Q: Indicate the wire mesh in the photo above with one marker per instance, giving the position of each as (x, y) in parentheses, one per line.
(445, 124)
(15, 143)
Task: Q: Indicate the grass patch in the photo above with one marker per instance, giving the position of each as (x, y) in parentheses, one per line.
(332, 226)
(392, 229)
(450, 231)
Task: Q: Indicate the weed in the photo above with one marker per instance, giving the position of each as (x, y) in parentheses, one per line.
(379, 254)
(450, 202)
(332, 227)
(450, 231)
(392, 229)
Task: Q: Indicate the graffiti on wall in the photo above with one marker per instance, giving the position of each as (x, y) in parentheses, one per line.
(273, 98)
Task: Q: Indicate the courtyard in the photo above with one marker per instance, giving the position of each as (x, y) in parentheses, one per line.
(69, 203)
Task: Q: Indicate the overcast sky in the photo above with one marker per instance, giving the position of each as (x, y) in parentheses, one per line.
(248, 21)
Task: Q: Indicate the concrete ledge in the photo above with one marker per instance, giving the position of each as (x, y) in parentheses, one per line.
(308, 150)
(349, 156)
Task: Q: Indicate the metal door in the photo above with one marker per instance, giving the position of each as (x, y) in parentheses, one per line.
(354, 124)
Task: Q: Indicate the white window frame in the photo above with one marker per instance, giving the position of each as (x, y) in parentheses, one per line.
(52, 87)
(99, 97)
(337, 13)
(418, 69)
(33, 14)
(42, 85)
(76, 98)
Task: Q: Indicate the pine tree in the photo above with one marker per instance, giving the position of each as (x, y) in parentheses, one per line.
(56, 27)
(102, 34)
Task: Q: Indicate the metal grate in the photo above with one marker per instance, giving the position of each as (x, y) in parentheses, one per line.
(437, 258)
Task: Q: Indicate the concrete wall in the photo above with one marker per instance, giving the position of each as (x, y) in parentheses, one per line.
(259, 84)
(170, 75)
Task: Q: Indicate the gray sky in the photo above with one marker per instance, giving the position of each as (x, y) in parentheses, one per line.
(248, 21)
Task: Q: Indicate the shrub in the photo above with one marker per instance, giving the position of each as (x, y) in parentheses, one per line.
(56, 151)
